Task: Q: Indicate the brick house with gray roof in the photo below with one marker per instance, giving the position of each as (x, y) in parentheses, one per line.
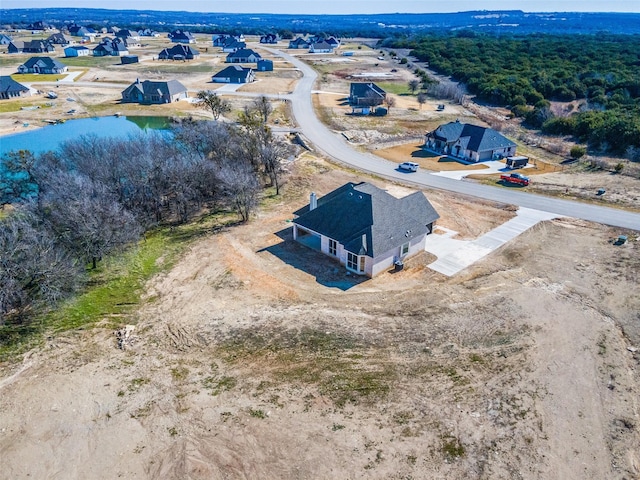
(365, 228)
(366, 94)
(469, 142)
(149, 92)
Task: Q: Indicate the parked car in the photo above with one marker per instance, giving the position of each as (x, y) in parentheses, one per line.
(409, 166)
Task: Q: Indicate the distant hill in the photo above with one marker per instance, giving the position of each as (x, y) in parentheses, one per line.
(380, 25)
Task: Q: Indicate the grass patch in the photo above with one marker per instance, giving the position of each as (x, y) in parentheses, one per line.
(90, 61)
(37, 77)
(342, 368)
(452, 448)
(397, 88)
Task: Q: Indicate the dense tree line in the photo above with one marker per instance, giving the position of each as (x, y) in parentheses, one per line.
(93, 196)
(527, 72)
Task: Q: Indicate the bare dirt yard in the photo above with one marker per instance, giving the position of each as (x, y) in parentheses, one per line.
(255, 357)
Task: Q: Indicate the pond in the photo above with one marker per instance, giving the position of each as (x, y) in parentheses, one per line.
(51, 136)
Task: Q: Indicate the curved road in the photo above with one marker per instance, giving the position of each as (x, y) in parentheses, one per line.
(334, 146)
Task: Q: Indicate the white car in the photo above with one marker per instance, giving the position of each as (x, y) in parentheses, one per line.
(409, 166)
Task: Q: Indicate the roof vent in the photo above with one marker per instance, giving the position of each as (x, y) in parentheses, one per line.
(313, 201)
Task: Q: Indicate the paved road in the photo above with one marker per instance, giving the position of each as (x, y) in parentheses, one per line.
(335, 146)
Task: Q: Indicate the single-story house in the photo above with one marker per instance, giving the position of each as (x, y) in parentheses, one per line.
(179, 52)
(154, 92)
(469, 142)
(147, 32)
(232, 45)
(365, 228)
(32, 46)
(299, 43)
(219, 39)
(60, 39)
(180, 36)
(333, 41)
(269, 38)
(5, 39)
(264, 65)
(39, 25)
(42, 65)
(244, 55)
(9, 88)
(84, 32)
(128, 34)
(366, 94)
(76, 51)
(111, 47)
(234, 74)
(320, 47)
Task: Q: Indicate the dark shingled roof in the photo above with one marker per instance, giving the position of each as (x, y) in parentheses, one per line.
(243, 53)
(8, 84)
(147, 87)
(354, 210)
(472, 137)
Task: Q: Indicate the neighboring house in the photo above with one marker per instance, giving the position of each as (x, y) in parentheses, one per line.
(111, 47)
(5, 39)
(179, 52)
(128, 34)
(333, 41)
(269, 38)
(76, 51)
(299, 43)
(33, 46)
(232, 45)
(9, 88)
(365, 228)
(234, 74)
(218, 39)
(86, 33)
(264, 65)
(366, 94)
(154, 92)
(244, 55)
(320, 47)
(59, 39)
(180, 36)
(147, 32)
(42, 65)
(469, 142)
(39, 25)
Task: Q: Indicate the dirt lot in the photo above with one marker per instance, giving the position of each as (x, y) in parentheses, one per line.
(256, 358)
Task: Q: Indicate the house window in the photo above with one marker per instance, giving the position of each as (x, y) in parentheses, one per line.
(333, 247)
(352, 261)
(404, 249)
(355, 263)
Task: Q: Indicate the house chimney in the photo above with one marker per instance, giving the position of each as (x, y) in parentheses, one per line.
(313, 201)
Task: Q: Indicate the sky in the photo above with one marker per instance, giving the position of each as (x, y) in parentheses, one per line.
(339, 6)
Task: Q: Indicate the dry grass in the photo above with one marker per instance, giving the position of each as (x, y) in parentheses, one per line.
(427, 160)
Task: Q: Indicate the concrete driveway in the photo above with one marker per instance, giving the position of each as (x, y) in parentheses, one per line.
(456, 255)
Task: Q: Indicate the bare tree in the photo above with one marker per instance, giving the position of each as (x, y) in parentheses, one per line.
(422, 99)
(86, 217)
(211, 101)
(34, 270)
(413, 85)
(263, 107)
(390, 102)
(241, 187)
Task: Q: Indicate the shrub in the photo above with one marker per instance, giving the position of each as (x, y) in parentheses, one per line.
(577, 152)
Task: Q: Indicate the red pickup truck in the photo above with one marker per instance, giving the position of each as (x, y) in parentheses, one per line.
(515, 178)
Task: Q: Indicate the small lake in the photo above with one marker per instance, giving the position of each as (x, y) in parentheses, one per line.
(50, 137)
